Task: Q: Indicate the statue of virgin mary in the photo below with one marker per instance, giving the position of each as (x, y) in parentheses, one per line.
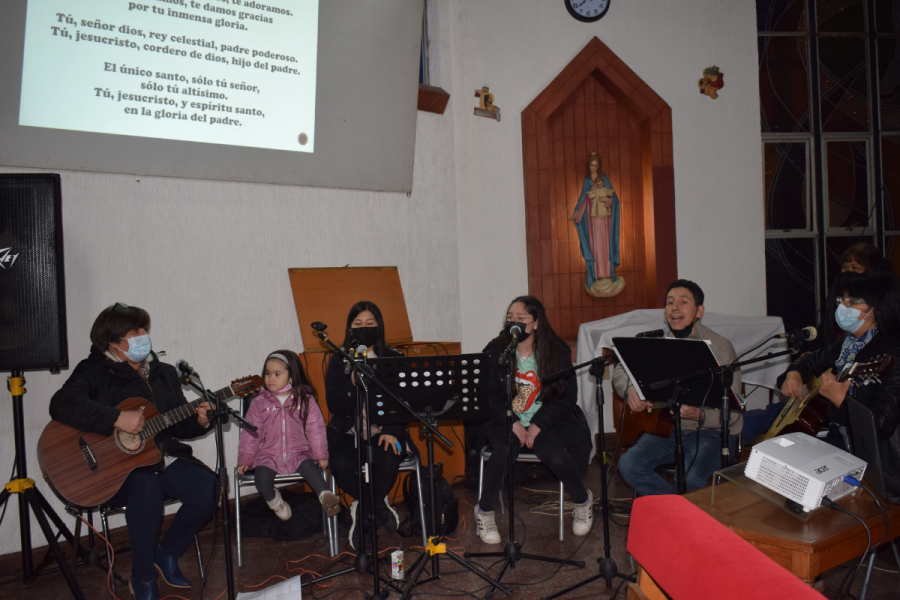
(596, 218)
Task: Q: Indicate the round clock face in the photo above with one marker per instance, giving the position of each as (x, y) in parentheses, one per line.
(587, 10)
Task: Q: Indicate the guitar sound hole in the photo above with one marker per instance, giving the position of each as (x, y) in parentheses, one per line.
(129, 442)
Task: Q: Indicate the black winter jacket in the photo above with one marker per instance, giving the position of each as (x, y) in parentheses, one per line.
(560, 412)
(340, 395)
(883, 399)
(87, 400)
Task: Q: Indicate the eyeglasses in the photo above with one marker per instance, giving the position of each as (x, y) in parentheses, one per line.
(521, 320)
(849, 301)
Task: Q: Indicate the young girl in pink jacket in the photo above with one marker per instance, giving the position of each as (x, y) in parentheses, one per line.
(290, 435)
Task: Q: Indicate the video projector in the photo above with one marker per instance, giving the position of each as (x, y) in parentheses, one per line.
(803, 469)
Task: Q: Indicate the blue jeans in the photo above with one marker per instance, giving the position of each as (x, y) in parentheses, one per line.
(638, 464)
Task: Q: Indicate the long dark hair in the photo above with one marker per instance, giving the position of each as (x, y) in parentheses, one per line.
(881, 291)
(301, 387)
(549, 348)
(382, 349)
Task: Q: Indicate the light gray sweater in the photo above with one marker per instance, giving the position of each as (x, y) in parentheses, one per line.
(725, 354)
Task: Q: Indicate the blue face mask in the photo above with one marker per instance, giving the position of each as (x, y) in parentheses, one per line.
(848, 319)
(138, 348)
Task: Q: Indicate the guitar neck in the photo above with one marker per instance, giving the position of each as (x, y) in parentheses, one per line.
(177, 415)
(658, 405)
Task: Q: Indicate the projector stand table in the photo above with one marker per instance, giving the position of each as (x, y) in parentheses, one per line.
(805, 548)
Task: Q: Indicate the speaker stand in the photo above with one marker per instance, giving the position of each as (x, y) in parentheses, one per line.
(30, 497)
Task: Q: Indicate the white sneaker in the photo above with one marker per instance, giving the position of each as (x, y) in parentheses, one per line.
(353, 506)
(486, 526)
(331, 504)
(388, 517)
(584, 516)
(282, 509)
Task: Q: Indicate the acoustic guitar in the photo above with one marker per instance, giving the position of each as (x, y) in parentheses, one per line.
(632, 425)
(808, 414)
(87, 469)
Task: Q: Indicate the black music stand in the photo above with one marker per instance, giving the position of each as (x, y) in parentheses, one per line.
(689, 367)
(426, 383)
(365, 375)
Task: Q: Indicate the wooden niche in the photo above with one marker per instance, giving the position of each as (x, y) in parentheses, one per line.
(598, 103)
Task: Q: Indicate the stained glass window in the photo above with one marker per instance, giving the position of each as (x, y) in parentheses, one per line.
(786, 186)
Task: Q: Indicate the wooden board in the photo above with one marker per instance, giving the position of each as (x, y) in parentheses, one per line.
(327, 294)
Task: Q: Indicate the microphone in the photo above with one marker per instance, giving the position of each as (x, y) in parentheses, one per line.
(807, 333)
(656, 333)
(514, 329)
(318, 325)
(184, 368)
(347, 362)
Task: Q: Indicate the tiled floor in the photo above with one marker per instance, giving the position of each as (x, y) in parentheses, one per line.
(268, 561)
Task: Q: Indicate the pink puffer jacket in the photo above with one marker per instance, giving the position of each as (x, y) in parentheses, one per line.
(281, 442)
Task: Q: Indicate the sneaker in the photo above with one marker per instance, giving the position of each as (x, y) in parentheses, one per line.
(354, 530)
(584, 516)
(282, 509)
(388, 517)
(486, 526)
(331, 504)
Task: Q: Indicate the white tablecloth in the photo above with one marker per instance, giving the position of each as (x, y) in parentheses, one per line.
(743, 332)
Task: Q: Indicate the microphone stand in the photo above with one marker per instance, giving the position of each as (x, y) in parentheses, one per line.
(722, 374)
(365, 374)
(607, 566)
(218, 416)
(512, 552)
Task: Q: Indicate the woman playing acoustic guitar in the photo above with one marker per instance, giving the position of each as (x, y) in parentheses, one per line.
(868, 309)
(122, 366)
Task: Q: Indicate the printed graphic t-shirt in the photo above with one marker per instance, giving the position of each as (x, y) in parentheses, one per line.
(528, 384)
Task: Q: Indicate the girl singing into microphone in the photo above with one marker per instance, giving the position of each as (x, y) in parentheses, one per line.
(546, 418)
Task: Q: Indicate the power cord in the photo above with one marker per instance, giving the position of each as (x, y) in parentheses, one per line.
(854, 482)
(831, 504)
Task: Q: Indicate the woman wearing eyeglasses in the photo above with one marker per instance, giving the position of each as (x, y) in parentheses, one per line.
(868, 310)
(546, 418)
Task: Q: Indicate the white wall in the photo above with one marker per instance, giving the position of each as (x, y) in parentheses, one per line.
(517, 47)
(209, 259)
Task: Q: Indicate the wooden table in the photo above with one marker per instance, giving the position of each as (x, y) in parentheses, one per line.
(805, 548)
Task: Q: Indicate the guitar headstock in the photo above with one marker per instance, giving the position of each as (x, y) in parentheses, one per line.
(246, 385)
(871, 370)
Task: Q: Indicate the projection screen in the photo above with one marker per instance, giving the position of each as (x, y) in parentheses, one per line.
(307, 92)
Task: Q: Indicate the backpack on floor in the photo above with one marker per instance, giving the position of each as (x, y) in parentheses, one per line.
(447, 507)
(258, 520)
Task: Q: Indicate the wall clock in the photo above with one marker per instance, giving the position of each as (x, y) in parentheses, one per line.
(587, 11)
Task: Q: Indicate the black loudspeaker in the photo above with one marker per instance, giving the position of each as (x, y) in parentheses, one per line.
(32, 285)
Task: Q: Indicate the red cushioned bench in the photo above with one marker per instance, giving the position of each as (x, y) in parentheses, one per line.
(686, 554)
